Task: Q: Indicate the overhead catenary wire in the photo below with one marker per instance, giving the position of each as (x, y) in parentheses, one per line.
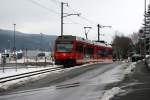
(55, 1)
(88, 20)
(44, 7)
(72, 23)
(82, 17)
(48, 9)
(74, 11)
(55, 12)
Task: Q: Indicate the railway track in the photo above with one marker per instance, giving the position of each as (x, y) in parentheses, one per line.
(28, 74)
(25, 64)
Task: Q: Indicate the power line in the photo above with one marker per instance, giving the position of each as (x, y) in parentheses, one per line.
(88, 20)
(72, 23)
(42, 6)
(73, 9)
(58, 2)
(55, 1)
(82, 17)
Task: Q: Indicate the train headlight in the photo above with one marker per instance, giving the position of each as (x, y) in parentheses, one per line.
(63, 54)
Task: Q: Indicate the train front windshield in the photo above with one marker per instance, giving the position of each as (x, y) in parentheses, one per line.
(65, 47)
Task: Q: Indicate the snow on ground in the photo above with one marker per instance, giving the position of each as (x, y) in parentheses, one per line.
(18, 82)
(10, 72)
(130, 68)
(23, 60)
(14, 83)
(110, 93)
(115, 75)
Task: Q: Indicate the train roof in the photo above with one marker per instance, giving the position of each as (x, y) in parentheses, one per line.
(70, 38)
(99, 43)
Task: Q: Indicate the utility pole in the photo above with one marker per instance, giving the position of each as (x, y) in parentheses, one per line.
(99, 27)
(9, 46)
(86, 32)
(14, 48)
(98, 32)
(62, 11)
(64, 15)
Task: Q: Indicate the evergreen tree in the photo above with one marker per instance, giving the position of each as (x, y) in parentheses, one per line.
(146, 29)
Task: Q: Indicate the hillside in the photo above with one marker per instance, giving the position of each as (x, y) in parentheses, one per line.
(23, 41)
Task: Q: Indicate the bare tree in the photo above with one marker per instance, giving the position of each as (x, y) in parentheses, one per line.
(122, 45)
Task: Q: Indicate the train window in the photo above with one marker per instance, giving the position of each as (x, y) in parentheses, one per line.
(99, 52)
(103, 52)
(110, 52)
(89, 51)
(64, 47)
(106, 53)
(79, 49)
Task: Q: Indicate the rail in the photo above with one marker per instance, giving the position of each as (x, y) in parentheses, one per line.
(23, 75)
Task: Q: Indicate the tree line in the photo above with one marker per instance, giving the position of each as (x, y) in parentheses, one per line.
(125, 46)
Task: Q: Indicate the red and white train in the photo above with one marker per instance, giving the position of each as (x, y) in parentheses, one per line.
(72, 50)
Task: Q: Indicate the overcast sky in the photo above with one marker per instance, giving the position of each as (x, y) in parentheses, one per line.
(125, 16)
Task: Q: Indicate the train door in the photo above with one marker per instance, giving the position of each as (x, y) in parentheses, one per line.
(79, 52)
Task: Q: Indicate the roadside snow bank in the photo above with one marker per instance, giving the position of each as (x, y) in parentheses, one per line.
(131, 68)
(110, 93)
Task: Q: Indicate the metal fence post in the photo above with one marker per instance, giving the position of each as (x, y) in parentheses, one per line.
(45, 61)
(16, 61)
(36, 61)
(3, 61)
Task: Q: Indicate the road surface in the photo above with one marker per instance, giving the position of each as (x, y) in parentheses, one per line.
(85, 86)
